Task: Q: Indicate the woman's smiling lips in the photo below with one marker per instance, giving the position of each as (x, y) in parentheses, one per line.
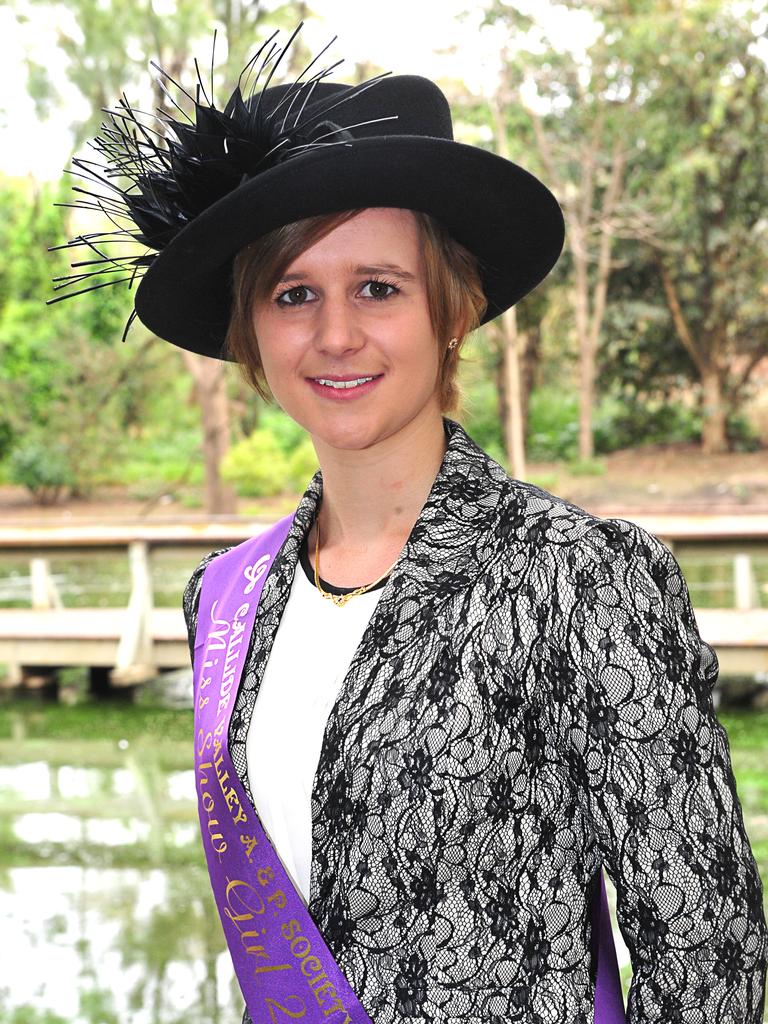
(343, 394)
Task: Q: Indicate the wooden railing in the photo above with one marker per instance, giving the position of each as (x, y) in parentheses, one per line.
(137, 641)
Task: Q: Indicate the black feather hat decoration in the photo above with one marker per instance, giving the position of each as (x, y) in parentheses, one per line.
(155, 178)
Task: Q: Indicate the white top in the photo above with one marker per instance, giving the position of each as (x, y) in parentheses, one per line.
(310, 656)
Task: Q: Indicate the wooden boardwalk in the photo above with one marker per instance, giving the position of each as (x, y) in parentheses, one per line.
(137, 641)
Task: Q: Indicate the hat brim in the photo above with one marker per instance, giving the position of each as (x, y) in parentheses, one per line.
(499, 211)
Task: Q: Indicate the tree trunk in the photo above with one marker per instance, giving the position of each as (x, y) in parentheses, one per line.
(584, 340)
(211, 391)
(713, 435)
(513, 424)
(513, 421)
(586, 398)
(499, 380)
(705, 359)
(530, 349)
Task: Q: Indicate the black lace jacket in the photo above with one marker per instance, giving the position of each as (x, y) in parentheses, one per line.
(530, 699)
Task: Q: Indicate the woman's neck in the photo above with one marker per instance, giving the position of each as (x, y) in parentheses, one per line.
(372, 498)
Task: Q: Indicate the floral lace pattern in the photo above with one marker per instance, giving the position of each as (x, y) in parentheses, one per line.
(530, 699)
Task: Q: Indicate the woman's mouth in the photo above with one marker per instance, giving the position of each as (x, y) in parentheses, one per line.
(337, 390)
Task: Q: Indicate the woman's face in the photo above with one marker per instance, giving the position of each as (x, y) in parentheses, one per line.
(353, 305)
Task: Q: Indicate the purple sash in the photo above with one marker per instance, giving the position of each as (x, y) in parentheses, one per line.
(283, 965)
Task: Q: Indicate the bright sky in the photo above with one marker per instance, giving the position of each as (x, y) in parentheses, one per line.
(403, 36)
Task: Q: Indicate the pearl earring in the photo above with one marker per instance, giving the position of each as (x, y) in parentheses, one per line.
(453, 343)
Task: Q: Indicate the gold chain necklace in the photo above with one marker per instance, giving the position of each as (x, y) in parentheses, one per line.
(341, 599)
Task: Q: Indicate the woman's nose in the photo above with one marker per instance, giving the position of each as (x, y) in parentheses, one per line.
(337, 328)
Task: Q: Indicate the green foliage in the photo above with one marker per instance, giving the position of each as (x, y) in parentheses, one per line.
(288, 434)
(746, 730)
(88, 722)
(191, 501)
(742, 436)
(553, 425)
(41, 467)
(618, 424)
(73, 401)
(164, 448)
(257, 466)
(640, 356)
(276, 458)
(680, 92)
(623, 423)
(302, 465)
(683, 91)
(702, 177)
(162, 459)
(482, 412)
(31, 1015)
(109, 52)
(62, 390)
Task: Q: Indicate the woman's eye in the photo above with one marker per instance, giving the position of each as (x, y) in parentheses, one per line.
(295, 296)
(381, 289)
(300, 293)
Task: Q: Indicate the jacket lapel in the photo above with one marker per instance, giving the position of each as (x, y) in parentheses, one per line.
(452, 539)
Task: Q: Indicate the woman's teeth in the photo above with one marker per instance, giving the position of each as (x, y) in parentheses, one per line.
(344, 383)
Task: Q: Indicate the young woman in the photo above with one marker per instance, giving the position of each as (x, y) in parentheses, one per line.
(434, 701)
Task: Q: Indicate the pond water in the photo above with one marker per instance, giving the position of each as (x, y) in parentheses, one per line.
(106, 915)
(104, 945)
(106, 911)
(101, 579)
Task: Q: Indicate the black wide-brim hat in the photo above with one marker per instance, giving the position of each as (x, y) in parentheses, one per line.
(236, 174)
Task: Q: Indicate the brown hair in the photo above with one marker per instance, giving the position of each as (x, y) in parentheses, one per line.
(453, 285)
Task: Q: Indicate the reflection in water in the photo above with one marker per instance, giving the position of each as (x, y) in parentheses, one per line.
(105, 894)
(33, 779)
(106, 912)
(115, 946)
(62, 828)
(99, 578)
(181, 785)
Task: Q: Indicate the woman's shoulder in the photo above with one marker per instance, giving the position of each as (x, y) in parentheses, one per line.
(572, 533)
(606, 570)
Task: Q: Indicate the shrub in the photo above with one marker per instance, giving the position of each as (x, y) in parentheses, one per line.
(42, 468)
(623, 423)
(257, 466)
(287, 432)
(553, 425)
(302, 465)
(741, 434)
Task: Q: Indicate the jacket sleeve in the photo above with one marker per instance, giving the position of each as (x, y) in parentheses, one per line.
(191, 599)
(652, 762)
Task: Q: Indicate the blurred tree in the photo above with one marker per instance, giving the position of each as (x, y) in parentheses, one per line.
(68, 395)
(108, 46)
(577, 112)
(657, 133)
(511, 346)
(641, 358)
(702, 187)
